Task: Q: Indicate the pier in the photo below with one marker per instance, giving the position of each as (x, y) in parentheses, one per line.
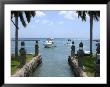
(76, 61)
(51, 65)
(29, 67)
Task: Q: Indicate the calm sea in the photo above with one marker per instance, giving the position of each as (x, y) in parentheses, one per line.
(54, 60)
(59, 42)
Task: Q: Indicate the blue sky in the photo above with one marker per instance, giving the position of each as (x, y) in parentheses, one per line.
(56, 24)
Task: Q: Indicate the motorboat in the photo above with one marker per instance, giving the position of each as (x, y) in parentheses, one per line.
(96, 40)
(69, 39)
(49, 43)
(69, 42)
(87, 52)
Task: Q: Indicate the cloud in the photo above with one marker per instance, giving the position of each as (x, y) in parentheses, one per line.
(62, 12)
(45, 21)
(71, 15)
(48, 22)
(87, 16)
(37, 21)
(61, 22)
(40, 14)
(51, 23)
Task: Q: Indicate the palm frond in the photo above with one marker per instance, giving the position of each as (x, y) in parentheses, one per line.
(95, 14)
(22, 18)
(28, 16)
(33, 13)
(82, 15)
(12, 13)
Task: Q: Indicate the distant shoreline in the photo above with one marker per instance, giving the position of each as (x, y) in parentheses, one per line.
(34, 39)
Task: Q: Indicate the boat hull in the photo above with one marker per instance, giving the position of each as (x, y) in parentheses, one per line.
(48, 45)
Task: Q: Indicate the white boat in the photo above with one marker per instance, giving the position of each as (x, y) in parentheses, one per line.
(69, 42)
(49, 43)
(87, 52)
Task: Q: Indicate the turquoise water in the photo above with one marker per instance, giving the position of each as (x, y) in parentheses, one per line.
(54, 60)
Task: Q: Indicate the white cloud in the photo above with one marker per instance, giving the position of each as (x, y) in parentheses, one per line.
(62, 12)
(37, 21)
(61, 22)
(71, 15)
(45, 21)
(87, 16)
(40, 14)
(51, 23)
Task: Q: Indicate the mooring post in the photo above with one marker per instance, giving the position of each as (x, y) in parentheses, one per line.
(98, 53)
(80, 54)
(22, 56)
(36, 49)
(97, 64)
(72, 49)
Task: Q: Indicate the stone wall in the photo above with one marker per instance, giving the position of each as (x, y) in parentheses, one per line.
(29, 67)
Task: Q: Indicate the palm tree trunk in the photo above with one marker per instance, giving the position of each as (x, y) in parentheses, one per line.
(91, 28)
(16, 37)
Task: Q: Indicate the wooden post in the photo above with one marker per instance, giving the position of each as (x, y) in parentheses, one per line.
(36, 49)
(97, 64)
(22, 56)
(72, 49)
(80, 53)
(98, 53)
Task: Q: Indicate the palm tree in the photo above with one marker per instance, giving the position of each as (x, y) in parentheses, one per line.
(93, 15)
(19, 14)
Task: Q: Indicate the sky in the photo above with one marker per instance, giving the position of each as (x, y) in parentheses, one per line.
(56, 24)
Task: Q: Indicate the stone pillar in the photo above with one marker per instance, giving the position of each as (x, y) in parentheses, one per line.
(80, 54)
(97, 64)
(22, 56)
(72, 49)
(36, 49)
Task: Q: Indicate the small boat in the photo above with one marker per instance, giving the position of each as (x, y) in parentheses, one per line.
(96, 40)
(69, 39)
(49, 43)
(69, 42)
(87, 52)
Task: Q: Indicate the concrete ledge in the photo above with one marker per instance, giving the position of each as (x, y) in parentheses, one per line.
(29, 67)
(77, 70)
